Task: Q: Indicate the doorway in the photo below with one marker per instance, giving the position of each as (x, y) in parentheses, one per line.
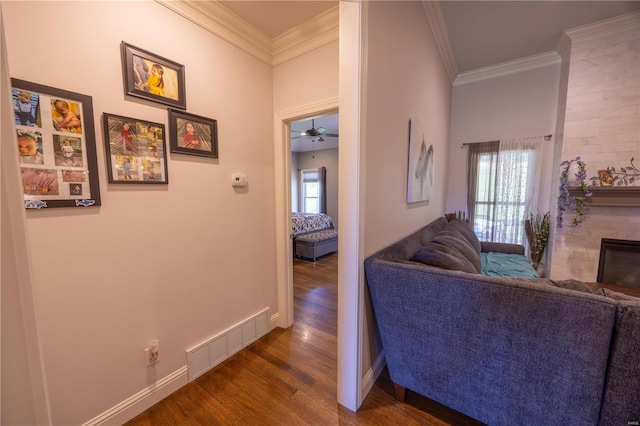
(314, 144)
(283, 170)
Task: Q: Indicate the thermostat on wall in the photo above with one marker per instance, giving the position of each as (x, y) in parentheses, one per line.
(238, 179)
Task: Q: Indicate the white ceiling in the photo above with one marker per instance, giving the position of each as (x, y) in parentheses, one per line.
(482, 33)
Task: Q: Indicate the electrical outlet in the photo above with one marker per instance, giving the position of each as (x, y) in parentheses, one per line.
(152, 353)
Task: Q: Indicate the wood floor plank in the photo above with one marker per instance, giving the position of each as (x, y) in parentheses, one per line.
(289, 377)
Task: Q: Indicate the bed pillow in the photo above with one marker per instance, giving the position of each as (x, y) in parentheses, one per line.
(443, 256)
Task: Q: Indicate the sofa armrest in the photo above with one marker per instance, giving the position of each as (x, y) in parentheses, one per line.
(487, 246)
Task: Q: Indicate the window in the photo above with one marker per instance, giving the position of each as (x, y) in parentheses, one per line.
(310, 191)
(500, 183)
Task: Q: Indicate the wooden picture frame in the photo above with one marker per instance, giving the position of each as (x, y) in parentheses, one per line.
(152, 77)
(136, 150)
(57, 146)
(193, 134)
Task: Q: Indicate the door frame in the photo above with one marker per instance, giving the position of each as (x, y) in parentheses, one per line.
(282, 153)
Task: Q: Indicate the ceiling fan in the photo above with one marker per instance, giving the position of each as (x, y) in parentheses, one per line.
(314, 132)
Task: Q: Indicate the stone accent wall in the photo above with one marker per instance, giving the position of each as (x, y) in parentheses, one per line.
(602, 126)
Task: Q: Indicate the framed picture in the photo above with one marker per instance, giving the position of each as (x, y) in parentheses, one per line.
(192, 134)
(420, 175)
(57, 146)
(136, 150)
(153, 77)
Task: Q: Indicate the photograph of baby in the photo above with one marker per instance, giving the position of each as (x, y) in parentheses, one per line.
(30, 147)
(75, 189)
(66, 116)
(194, 135)
(136, 150)
(74, 176)
(40, 181)
(127, 167)
(68, 151)
(150, 168)
(26, 107)
(154, 78)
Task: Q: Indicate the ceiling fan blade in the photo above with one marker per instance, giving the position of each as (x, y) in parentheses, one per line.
(296, 137)
(320, 130)
(320, 139)
(331, 135)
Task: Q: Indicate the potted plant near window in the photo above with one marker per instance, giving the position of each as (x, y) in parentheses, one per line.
(537, 230)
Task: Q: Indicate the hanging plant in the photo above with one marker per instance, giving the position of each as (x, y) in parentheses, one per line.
(578, 203)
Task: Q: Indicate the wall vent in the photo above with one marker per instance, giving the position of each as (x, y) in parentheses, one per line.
(206, 355)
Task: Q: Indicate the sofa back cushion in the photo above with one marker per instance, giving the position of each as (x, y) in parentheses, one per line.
(406, 247)
(467, 231)
(452, 248)
(445, 256)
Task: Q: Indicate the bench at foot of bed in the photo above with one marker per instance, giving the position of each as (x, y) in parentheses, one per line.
(316, 244)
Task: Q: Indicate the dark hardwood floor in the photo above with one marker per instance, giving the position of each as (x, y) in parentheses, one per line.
(288, 377)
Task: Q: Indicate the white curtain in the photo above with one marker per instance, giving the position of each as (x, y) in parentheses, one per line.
(517, 186)
(507, 179)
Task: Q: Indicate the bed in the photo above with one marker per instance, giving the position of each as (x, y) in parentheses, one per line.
(313, 235)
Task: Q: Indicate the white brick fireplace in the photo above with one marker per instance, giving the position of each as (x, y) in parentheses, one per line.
(600, 85)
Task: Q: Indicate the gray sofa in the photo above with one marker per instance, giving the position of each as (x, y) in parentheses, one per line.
(504, 351)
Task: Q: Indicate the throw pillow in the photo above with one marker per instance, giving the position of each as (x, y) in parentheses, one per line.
(445, 257)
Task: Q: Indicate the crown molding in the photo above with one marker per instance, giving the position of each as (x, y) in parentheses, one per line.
(564, 46)
(315, 33)
(606, 27)
(219, 20)
(512, 67)
(441, 35)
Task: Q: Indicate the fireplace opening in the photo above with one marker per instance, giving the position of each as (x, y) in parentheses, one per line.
(619, 262)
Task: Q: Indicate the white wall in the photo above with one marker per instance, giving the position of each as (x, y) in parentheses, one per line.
(329, 159)
(23, 390)
(166, 262)
(306, 79)
(405, 77)
(602, 126)
(513, 106)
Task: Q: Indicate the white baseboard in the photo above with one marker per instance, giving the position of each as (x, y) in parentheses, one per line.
(144, 399)
(372, 375)
(239, 336)
(273, 321)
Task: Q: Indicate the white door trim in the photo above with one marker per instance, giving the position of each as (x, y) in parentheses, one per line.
(282, 152)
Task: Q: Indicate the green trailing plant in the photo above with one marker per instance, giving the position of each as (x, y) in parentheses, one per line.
(537, 229)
